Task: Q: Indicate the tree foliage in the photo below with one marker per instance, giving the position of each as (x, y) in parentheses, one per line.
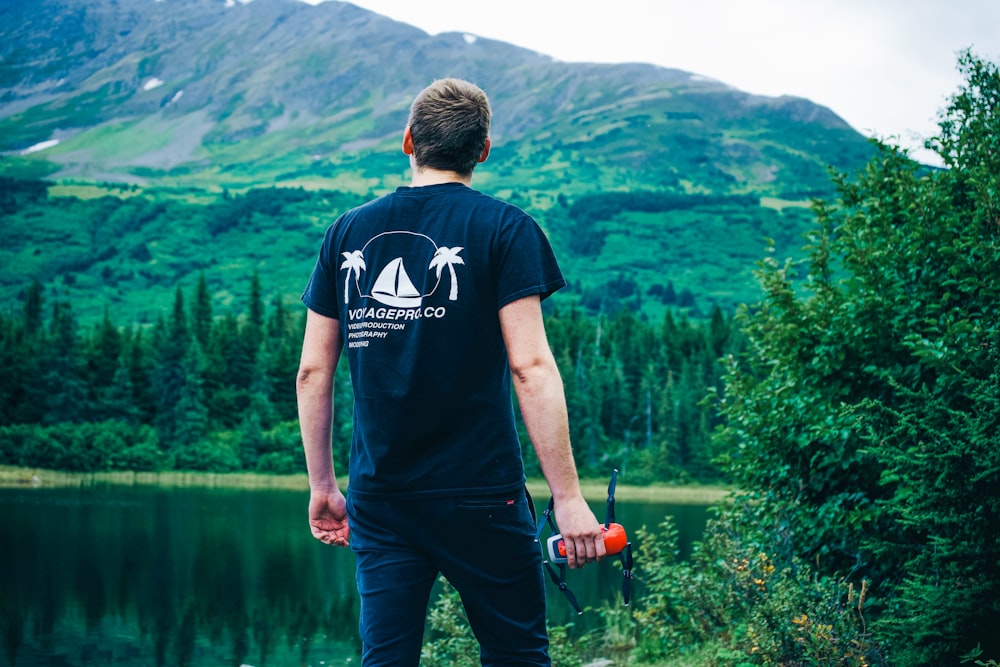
(216, 392)
(862, 420)
(126, 249)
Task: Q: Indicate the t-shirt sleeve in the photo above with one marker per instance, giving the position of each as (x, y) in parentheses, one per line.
(526, 263)
(321, 294)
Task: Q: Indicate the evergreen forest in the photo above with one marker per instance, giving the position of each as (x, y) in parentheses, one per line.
(197, 390)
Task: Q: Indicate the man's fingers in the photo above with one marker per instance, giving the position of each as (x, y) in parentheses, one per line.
(576, 553)
(581, 551)
(570, 552)
(330, 538)
(585, 552)
(331, 535)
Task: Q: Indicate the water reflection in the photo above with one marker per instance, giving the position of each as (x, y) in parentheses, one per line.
(149, 576)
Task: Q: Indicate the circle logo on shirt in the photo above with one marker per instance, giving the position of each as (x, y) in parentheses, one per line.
(395, 282)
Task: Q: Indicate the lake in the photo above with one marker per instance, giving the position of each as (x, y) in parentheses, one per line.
(146, 575)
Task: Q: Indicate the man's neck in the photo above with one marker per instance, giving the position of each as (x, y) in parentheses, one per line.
(426, 176)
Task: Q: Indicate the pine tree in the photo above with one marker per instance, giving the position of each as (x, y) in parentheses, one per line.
(117, 400)
(64, 384)
(171, 342)
(103, 353)
(137, 360)
(10, 380)
(253, 328)
(33, 308)
(26, 342)
(190, 414)
(231, 371)
(201, 315)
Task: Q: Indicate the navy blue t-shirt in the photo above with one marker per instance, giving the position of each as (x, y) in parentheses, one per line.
(415, 279)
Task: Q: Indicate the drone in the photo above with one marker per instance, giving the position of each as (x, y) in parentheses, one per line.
(615, 542)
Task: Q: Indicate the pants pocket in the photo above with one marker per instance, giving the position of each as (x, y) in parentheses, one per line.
(474, 503)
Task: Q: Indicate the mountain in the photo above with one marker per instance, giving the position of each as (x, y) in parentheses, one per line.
(200, 96)
(198, 92)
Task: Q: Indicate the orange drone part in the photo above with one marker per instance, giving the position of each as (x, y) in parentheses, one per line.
(615, 540)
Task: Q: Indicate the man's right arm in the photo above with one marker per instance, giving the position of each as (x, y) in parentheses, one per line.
(321, 348)
(540, 396)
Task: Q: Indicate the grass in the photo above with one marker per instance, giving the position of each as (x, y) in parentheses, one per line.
(693, 494)
(18, 477)
(82, 190)
(703, 656)
(781, 204)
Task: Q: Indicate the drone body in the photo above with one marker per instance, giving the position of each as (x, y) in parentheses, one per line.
(615, 542)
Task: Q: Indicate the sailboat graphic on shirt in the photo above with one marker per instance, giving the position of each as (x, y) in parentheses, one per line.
(393, 287)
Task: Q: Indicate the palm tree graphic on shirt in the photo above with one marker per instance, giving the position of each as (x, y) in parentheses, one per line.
(448, 257)
(393, 286)
(354, 262)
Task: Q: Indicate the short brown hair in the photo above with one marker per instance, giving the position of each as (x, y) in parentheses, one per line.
(449, 123)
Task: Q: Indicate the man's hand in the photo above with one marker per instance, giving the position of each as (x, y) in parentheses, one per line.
(328, 518)
(581, 532)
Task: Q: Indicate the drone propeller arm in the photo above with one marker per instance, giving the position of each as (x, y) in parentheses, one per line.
(559, 579)
(625, 556)
(546, 520)
(609, 515)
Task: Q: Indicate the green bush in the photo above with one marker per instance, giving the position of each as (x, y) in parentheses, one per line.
(39, 451)
(141, 451)
(861, 421)
(449, 641)
(15, 440)
(207, 456)
(279, 463)
(752, 607)
(281, 450)
(88, 447)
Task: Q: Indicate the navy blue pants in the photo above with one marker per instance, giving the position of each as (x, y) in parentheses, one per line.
(483, 545)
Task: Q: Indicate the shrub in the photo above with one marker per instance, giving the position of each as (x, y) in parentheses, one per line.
(449, 641)
(207, 456)
(141, 452)
(89, 447)
(862, 417)
(15, 441)
(756, 609)
(281, 450)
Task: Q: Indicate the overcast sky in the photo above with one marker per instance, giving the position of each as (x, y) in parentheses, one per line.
(886, 66)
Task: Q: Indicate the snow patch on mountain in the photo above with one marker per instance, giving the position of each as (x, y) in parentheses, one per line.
(40, 146)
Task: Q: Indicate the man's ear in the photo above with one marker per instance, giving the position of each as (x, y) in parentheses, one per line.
(408, 142)
(486, 151)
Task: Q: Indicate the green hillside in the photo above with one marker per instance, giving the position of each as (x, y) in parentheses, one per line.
(164, 144)
(127, 248)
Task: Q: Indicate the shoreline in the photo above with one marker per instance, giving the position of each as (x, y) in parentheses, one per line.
(14, 477)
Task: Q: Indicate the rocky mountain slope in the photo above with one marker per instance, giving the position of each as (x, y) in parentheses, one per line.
(207, 92)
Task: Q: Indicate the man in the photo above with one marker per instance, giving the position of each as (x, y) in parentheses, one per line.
(436, 290)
